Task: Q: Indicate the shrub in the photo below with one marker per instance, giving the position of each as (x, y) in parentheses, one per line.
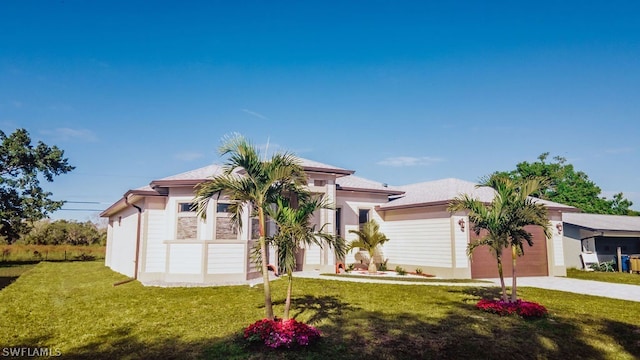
(419, 271)
(281, 333)
(400, 270)
(350, 267)
(608, 266)
(526, 309)
(383, 266)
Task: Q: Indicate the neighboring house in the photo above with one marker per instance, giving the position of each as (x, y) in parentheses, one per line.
(602, 234)
(154, 236)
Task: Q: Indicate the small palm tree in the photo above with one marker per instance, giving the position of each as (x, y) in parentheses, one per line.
(295, 230)
(369, 239)
(504, 219)
(252, 182)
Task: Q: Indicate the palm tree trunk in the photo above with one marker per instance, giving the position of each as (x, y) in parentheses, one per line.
(372, 266)
(268, 306)
(287, 302)
(514, 256)
(501, 275)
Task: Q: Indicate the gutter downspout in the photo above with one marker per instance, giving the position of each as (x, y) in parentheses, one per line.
(137, 256)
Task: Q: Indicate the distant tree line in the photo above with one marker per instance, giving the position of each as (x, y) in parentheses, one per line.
(64, 232)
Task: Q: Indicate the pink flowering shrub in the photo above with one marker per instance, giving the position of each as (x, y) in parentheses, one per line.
(278, 333)
(526, 309)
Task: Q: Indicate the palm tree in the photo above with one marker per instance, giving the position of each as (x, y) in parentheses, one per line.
(252, 182)
(504, 220)
(295, 230)
(525, 211)
(369, 238)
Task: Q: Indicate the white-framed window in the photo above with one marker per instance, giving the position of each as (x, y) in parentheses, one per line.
(186, 221)
(225, 229)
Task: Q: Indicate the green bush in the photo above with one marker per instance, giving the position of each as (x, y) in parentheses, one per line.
(400, 270)
(419, 271)
(383, 266)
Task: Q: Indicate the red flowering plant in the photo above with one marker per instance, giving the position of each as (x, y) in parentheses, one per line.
(281, 333)
(526, 309)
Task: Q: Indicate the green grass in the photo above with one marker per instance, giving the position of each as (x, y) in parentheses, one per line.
(613, 277)
(74, 308)
(10, 272)
(408, 279)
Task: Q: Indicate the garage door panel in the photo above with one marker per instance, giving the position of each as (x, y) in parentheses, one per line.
(534, 262)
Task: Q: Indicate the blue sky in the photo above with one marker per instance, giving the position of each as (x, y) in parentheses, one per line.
(401, 92)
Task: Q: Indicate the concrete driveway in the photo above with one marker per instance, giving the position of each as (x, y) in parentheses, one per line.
(586, 287)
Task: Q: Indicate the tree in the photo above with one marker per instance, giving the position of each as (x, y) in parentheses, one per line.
(255, 184)
(22, 200)
(63, 232)
(296, 230)
(369, 239)
(567, 186)
(504, 220)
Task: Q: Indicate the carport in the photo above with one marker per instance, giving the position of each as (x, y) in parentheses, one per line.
(602, 234)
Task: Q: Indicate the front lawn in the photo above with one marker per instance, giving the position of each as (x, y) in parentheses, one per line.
(613, 277)
(74, 307)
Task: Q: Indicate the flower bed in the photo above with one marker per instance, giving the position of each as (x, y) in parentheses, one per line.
(526, 309)
(281, 333)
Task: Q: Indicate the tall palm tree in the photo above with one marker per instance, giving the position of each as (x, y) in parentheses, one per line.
(255, 183)
(525, 211)
(295, 230)
(504, 220)
(369, 239)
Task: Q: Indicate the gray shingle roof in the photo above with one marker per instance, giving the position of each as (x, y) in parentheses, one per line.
(603, 222)
(197, 174)
(444, 190)
(356, 182)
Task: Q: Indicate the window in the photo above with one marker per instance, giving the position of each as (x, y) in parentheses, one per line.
(363, 216)
(186, 207)
(222, 207)
(187, 222)
(338, 222)
(225, 228)
(319, 182)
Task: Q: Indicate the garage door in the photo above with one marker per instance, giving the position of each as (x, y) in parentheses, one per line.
(532, 263)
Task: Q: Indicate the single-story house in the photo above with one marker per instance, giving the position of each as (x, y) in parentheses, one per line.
(155, 237)
(600, 234)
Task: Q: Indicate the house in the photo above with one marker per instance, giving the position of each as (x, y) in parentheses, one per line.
(602, 234)
(154, 236)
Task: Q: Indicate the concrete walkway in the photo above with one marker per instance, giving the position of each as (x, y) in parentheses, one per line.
(584, 287)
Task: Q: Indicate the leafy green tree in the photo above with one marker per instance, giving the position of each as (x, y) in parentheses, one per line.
(504, 220)
(567, 186)
(64, 232)
(252, 182)
(369, 239)
(296, 230)
(22, 200)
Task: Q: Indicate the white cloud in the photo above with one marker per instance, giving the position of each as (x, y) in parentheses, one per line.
(188, 156)
(401, 161)
(68, 134)
(253, 113)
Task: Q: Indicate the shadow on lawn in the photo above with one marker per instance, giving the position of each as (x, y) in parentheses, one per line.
(353, 332)
(122, 344)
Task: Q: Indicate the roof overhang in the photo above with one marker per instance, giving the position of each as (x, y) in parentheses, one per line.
(372, 191)
(336, 172)
(130, 197)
